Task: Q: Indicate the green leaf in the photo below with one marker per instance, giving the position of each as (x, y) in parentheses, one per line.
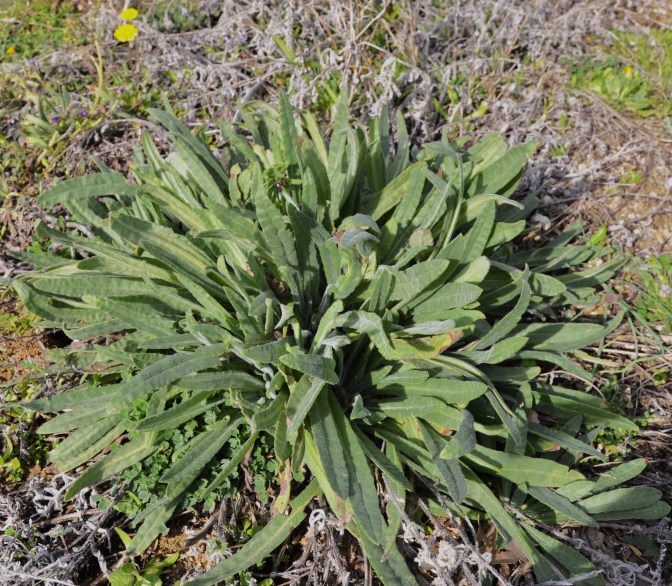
(523, 469)
(388, 563)
(279, 239)
(393, 193)
(478, 236)
(223, 379)
(327, 323)
(200, 451)
(562, 505)
(619, 474)
(414, 280)
(449, 469)
(449, 390)
(568, 557)
(112, 183)
(263, 543)
(266, 353)
(449, 296)
(509, 323)
(498, 352)
(366, 322)
(639, 502)
(285, 50)
(290, 140)
(155, 519)
(300, 402)
(463, 441)
(75, 419)
(178, 414)
(235, 459)
(206, 157)
(564, 440)
(130, 453)
(86, 442)
(382, 461)
(501, 175)
(563, 337)
(170, 369)
(126, 575)
(566, 403)
(482, 497)
(314, 365)
(346, 466)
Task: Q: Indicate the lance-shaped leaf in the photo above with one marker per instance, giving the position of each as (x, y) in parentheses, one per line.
(523, 469)
(263, 543)
(224, 379)
(414, 280)
(300, 402)
(314, 365)
(450, 471)
(562, 505)
(564, 337)
(345, 465)
(130, 453)
(279, 239)
(200, 451)
(178, 414)
(111, 183)
(463, 441)
(236, 458)
(170, 369)
(86, 442)
(568, 557)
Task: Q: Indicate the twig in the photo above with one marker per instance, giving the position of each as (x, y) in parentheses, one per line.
(68, 517)
(572, 581)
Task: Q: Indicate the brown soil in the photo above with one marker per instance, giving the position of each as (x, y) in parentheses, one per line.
(18, 352)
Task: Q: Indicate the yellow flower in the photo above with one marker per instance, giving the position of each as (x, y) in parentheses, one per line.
(125, 33)
(10, 51)
(128, 14)
(628, 72)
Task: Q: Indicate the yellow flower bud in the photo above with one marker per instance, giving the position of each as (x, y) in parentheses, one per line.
(128, 14)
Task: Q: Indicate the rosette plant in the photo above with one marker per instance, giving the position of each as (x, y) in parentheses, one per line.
(362, 305)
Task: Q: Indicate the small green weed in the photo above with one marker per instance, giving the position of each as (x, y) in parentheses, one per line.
(620, 85)
(655, 291)
(632, 177)
(15, 464)
(636, 75)
(17, 322)
(652, 54)
(150, 575)
(10, 466)
(142, 486)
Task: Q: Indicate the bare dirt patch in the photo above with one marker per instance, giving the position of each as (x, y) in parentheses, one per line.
(17, 350)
